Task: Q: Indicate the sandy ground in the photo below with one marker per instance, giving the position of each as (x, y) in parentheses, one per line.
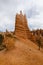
(24, 53)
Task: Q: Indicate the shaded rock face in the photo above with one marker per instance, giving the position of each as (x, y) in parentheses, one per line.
(21, 28)
(1, 39)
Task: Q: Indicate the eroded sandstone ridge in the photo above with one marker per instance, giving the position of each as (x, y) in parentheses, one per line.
(21, 28)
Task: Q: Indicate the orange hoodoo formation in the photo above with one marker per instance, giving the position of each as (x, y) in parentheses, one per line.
(21, 27)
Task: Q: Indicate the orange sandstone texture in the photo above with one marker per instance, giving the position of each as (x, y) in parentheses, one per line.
(21, 27)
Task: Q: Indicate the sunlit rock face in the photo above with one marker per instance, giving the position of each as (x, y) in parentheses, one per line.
(21, 28)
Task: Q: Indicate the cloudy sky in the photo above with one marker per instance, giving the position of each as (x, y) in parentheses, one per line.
(32, 8)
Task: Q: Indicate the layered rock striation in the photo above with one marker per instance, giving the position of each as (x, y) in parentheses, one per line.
(21, 28)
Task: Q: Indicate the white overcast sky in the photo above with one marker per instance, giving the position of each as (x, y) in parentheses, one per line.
(32, 8)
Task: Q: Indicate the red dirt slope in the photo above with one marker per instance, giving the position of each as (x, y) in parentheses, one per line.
(24, 53)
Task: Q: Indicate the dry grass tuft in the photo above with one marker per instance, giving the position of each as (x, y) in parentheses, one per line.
(9, 42)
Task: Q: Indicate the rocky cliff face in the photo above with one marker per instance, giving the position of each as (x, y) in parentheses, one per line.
(21, 28)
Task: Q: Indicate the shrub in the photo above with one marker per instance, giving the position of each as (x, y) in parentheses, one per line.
(9, 42)
(1, 38)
